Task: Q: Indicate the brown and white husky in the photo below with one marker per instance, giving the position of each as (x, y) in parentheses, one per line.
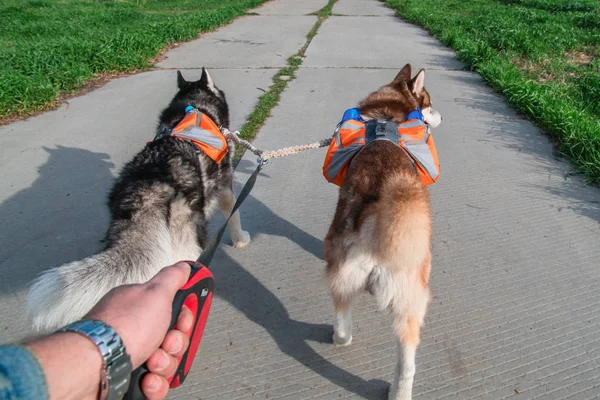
(379, 239)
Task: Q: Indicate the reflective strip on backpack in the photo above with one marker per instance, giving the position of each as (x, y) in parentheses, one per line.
(421, 153)
(337, 138)
(413, 136)
(201, 135)
(352, 125)
(413, 123)
(341, 157)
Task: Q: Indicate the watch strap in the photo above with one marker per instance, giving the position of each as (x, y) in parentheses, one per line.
(116, 369)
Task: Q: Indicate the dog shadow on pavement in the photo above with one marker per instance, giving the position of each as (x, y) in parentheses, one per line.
(242, 290)
(258, 218)
(61, 217)
(236, 284)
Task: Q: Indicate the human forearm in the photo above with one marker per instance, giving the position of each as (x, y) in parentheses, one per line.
(68, 365)
(69, 354)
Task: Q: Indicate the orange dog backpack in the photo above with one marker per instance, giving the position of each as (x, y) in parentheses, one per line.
(198, 129)
(353, 133)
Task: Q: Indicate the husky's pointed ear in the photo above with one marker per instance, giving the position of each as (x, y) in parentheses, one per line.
(206, 80)
(418, 82)
(404, 74)
(181, 82)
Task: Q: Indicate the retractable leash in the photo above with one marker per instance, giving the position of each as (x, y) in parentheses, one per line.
(196, 294)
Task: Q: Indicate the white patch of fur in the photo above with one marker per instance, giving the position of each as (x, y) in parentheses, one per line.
(400, 292)
(225, 203)
(65, 294)
(419, 82)
(351, 278)
(342, 332)
(399, 289)
(209, 82)
(239, 237)
(182, 226)
(209, 185)
(50, 306)
(403, 295)
(404, 373)
(432, 117)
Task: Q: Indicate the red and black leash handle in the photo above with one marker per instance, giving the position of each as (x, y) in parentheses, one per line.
(197, 295)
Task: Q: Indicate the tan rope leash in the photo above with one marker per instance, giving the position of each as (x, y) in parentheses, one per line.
(267, 154)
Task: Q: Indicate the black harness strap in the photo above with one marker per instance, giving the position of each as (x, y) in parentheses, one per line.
(381, 129)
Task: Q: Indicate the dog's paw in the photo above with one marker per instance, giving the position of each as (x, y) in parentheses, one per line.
(396, 393)
(242, 240)
(340, 341)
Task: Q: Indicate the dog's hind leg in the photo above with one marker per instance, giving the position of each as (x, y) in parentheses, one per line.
(345, 281)
(408, 309)
(342, 332)
(183, 228)
(408, 332)
(239, 237)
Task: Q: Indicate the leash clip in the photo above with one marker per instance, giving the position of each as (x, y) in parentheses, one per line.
(261, 161)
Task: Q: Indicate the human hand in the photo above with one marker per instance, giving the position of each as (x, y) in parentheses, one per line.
(141, 314)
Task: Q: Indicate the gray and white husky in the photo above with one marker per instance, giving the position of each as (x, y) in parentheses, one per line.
(159, 206)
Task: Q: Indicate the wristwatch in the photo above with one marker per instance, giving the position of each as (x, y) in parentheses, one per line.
(116, 368)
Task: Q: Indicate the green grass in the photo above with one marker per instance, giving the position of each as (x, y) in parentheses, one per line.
(543, 55)
(271, 98)
(326, 10)
(52, 47)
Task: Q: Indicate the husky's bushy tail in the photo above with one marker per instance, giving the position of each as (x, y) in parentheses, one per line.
(65, 294)
(403, 224)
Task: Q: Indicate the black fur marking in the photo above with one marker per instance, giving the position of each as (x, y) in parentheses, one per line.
(159, 206)
(169, 167)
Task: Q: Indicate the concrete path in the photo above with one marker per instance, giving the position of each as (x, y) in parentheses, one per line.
(516, 246)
